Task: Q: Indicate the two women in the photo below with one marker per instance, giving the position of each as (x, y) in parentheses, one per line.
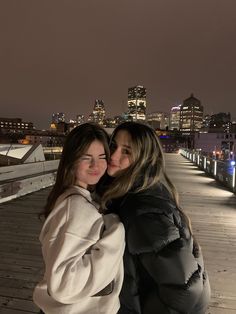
(82, 249)
(164, 268)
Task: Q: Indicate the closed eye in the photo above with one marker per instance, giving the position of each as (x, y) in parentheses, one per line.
(85, 157)
(126, 151)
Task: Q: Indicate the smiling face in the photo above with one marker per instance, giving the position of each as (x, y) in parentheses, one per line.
(91, 165)
(121, 153)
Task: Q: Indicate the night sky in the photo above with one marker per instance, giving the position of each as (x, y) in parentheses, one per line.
(59, 56)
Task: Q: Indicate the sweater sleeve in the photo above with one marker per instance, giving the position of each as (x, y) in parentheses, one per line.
(82, 259)
(167, 258)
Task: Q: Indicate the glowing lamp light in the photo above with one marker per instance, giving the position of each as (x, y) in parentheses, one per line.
(232, 163)
(215, 168)
(233, 181)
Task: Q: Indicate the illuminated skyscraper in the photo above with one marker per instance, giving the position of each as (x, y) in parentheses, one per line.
(79, 119)
(137, 103)
(58, 123)
(98, 114)
(191, 115)
(158, 120)
(58, 117)
(175, 117)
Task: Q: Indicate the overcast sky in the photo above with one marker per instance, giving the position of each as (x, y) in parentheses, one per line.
(59, 56)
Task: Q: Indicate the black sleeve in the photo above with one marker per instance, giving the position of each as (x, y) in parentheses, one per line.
(167, 258)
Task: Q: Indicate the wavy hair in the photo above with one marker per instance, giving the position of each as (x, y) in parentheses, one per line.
(147, 167)
(76, 143)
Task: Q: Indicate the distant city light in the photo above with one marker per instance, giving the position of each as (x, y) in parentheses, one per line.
(164, 136)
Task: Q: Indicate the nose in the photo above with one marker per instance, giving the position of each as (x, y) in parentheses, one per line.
(94, 163)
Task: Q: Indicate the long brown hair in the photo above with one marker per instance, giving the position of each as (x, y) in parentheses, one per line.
(77, 142)
(147, 166)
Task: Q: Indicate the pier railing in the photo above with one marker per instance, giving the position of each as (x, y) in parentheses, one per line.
(223, 171)
(18, 180)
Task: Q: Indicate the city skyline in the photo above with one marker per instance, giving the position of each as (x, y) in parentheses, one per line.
(107, 115)
(59, 56)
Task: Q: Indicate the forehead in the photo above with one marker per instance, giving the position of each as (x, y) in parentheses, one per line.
(122, 137)
(95, 146)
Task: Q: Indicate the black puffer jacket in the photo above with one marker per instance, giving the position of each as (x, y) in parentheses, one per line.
(164, 269)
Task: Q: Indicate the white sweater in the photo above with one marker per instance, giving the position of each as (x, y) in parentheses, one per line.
(83, 254)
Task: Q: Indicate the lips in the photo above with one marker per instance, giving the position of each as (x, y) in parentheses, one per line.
(113, 166)
(94, 173)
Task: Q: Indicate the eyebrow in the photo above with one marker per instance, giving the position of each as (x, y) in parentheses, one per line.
(126, 146)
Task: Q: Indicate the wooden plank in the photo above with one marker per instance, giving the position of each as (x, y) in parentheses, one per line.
(12, 311)
(21, 264)
(13, 304)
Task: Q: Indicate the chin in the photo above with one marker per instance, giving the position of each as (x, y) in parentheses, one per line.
(93, 182)
(110, 172)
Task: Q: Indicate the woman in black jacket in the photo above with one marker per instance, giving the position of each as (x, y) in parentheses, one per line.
(164, 268)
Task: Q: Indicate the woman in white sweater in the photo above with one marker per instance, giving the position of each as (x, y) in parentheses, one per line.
(82, 249)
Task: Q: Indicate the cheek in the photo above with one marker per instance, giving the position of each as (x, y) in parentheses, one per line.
(78, 170)
(126, 162)
(103, 166)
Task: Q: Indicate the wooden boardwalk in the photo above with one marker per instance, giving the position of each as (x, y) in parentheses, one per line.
(212, 210)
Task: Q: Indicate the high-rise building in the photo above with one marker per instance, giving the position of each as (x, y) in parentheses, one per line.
(158, 120)
(79, 119)
(98, 114)
(206, 122)
(58, 117)
(137, 103)
(175, 117)
(220, 122)
(58, 123)
(191, 115)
